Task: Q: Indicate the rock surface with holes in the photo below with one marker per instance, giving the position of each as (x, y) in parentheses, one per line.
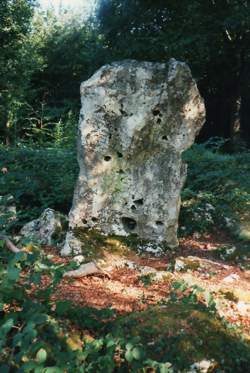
(136, 120)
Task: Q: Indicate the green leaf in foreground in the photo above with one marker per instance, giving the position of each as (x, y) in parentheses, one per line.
(41, 356)
(13, 273)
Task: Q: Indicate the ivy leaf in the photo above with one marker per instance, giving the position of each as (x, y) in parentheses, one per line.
(129, 346)
(6, 327)
(129, 356)
(29, 366)
(13, 273)
(137, 353)
(41, 356)
(53, 370)
(166, 368)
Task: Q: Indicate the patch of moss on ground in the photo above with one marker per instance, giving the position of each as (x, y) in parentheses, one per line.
(229, 295)
(241, 295)
(185, 333)
(95, 243)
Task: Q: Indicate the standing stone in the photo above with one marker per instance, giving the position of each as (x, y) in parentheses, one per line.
(136, 120)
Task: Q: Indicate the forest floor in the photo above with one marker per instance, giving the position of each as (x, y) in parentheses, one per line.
(184, 310)
(185, 306)
(197, 262)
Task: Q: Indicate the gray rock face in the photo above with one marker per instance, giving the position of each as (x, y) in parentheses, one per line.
(48, 229)
(136, 120)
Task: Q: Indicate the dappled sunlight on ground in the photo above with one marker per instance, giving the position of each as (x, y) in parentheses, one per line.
(127, 290)
(124, 292)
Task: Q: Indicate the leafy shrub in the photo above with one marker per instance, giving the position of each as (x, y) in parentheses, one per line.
(7, 212)
(217, 190)
(49, 126)
(37, 179)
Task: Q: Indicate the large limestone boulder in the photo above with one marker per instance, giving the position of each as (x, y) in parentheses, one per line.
(136, 120)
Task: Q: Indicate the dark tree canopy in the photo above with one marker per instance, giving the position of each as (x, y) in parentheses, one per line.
(213, 36)
(45, 57)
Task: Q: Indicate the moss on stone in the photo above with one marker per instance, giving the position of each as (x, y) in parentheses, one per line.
(60, 230)
(95, 244)
(92, 242)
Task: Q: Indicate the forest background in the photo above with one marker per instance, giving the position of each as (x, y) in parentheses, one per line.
(45, 55)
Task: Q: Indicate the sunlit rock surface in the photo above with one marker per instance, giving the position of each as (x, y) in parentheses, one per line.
(48, 229)
(136, 120)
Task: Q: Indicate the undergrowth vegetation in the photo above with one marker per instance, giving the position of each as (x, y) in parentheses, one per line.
(217, 190)
(43, 335)
(37, 179)
(39, 335)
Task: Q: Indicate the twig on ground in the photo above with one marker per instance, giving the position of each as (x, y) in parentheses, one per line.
(85, 270)
(10, 244)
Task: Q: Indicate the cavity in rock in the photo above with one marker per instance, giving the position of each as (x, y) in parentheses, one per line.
(129, 224)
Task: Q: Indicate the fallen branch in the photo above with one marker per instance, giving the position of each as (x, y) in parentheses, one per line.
(10, 244)
(85, 270)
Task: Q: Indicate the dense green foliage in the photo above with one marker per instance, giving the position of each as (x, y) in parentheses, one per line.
(212, 36)
(15, 60)
(45, 58)
(220, 196)
(37, 179)
(217, 190)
